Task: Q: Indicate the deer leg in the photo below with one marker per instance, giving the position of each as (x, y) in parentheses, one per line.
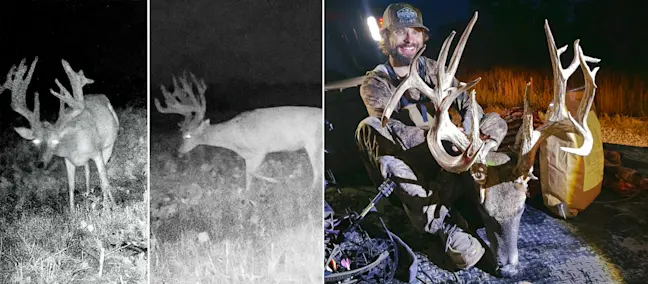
(71, 171)
(251, 166)
(87, 178)
(314, 155)
(103, 176)
(107, 153)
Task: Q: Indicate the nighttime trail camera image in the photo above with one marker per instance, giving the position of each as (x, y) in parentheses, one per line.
(73, 146)
(236, 142)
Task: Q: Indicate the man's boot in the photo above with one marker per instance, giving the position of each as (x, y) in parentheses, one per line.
(463, 249)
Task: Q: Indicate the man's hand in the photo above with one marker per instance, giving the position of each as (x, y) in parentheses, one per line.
(482, 136)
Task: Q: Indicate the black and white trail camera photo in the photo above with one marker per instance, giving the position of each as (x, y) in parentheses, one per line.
(73, 142)
(236, 141)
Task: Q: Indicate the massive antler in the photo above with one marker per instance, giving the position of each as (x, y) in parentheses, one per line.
(442, 96)
(183, 100)
(17, 82)
(77, 81)
(560, 121)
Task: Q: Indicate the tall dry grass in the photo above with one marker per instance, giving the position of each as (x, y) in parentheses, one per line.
(621, 94)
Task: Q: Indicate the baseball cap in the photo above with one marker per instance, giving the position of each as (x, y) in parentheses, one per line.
(402, 15)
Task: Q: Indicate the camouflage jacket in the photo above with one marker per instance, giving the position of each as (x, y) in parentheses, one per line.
(377, 88)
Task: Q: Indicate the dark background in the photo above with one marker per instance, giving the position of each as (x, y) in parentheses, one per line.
(250, 53)
(507, 34)
(105, 39)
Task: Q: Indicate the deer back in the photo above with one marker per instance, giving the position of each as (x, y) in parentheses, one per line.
(264, 130)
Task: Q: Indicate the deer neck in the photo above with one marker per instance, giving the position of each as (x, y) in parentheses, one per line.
(221, 135)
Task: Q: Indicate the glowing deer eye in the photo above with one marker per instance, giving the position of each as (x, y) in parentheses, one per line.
(36, 141)
(187, 136)
(55, 142)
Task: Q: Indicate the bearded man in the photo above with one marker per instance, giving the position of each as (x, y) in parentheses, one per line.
(399, 150)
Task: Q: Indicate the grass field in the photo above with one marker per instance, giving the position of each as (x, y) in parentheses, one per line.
(41, 241)
(616, 93)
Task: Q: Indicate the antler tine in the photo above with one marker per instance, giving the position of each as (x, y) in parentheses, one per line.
(67, 97)
(559, 109)
(585, 105)
(18, 83)
(524, 137)
(476, 142)
(442, 81)
(445, 93)
(77, 81)
(413, 80)
(590, 84)
(200, 100)
(198, 103)
(458, 52)
(61, 110)
(527, 136)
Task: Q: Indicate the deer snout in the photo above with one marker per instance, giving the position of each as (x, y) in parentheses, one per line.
(508, 267)
(507, 270)
(40, 165)
(46, 157)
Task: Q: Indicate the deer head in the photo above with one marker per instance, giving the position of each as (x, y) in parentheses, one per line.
(501, 177)
(183, 101)
(42, 133)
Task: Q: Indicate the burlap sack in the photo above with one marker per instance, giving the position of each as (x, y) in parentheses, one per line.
(570, 179)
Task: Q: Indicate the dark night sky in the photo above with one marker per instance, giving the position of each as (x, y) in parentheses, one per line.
(106, 40)
(252, 40)
(507, 33)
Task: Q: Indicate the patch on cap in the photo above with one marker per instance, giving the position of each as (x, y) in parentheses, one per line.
(406, 15)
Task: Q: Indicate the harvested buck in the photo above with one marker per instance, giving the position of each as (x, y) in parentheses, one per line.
(251, 134)
(500, 177)
(86, 131)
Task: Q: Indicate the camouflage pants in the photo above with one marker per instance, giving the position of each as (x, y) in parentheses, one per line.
(425, 190)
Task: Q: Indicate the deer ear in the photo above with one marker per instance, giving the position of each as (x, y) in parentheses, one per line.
(25, 133)
(201, 127)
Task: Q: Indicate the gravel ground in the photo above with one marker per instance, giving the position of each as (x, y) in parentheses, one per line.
(624, 131)
(615, 129)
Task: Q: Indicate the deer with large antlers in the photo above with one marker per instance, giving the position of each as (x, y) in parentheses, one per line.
(85, 131)
(500, 178)
(251, 134)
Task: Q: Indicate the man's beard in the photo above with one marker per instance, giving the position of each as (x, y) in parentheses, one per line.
(399, 59)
